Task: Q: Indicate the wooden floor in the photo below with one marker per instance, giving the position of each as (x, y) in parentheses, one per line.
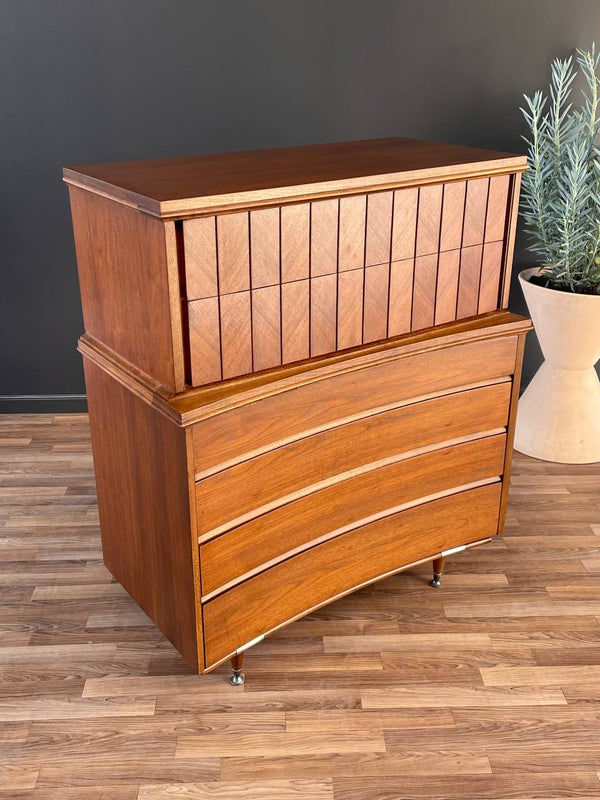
(486, 688)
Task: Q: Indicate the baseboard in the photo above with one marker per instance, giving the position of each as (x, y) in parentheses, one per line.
(42, 403)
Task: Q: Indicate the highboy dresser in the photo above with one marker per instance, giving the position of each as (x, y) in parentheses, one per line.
(301, 373)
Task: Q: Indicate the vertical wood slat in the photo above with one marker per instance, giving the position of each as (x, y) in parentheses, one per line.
(295, 338)
(200, 245)
(468, 287)
(264, 247)
(447, 286)
(323, 237)
(453, 208)
(205, 341)
(515, 187)
(379, 224)
(489, 285)
(376, 303)
(173, 245)
(475, 210)
(401, 296)
(423, 308)
(429, 218)
(323, 305)
(350, 308)
(353, 215)
(233, 253)
(404, 227)
(266, 331)
(295, 238)
(236, 334)
(497, 208)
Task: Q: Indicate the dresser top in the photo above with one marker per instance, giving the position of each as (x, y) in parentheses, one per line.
(182, 187)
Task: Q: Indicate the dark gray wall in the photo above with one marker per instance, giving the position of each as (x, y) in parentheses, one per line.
(106, 80)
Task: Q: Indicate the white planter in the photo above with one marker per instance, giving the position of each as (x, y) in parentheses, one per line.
(559, 413)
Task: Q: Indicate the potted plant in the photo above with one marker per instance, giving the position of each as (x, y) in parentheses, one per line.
(559, 413)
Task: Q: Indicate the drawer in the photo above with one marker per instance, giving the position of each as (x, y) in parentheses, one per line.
(344, 506)
(319, 575)
(233, 436)
(306, 465)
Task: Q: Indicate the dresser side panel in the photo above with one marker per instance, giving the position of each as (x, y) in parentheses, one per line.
(124, 279)
(142, 481)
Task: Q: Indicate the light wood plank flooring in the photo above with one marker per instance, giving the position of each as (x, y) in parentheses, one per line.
(486, 689)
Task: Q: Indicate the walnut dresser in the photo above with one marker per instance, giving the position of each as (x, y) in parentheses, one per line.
(301, 373)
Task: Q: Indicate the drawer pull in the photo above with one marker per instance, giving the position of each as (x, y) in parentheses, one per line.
(250, 644)
(453, 550)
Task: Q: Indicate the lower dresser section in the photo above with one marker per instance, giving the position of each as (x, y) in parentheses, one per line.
(230, 511)
(334, 568)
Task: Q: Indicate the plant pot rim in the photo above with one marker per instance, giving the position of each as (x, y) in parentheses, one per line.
(525, 274)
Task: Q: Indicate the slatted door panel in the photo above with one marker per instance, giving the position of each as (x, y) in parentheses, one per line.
(311, 278)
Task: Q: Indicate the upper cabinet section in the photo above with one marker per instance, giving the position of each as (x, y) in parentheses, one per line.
(198, 270)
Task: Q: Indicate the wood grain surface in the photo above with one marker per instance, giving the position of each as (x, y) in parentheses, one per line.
(94, 699)
(375, 303)
(323, 313)
(379, 227)
(402, 275)
(453, 209)
(200, 244)
(266, 330)
(233, 253)
(491, 272)
(295, 316)
(345, 505)
(351, 290)
(264, 247)
(303, 410)
(448, 273)
(469, 281)
(397, 261)
(140, 458)
(323, 237)
(268, 479)
(328, 570)
(295, 242)
(205, 340)
(179, 187)
(353, 218)
(429, 219)
(475, 212)
(236, 335)
(128, 307)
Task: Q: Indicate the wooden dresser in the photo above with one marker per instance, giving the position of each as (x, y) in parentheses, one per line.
(300, 372)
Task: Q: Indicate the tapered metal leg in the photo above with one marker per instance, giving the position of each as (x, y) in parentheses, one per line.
(238, 676)
(438, 568)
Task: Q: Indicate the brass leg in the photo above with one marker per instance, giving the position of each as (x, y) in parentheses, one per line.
(438, 568)
(238, 676)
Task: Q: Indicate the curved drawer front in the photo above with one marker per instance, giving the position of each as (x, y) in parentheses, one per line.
(316, 576)
(272, 479)
(263, 424)
(344, 506)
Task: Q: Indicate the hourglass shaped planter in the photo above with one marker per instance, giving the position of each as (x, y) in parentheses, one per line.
(559, 413)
